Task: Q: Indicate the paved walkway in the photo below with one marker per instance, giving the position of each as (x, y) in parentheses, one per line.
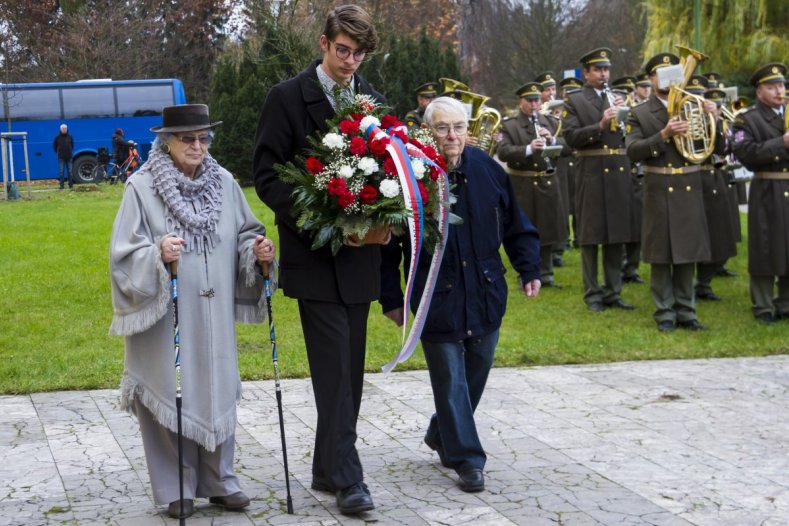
(703, 442)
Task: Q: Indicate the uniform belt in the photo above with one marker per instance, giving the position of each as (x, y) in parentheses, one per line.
(601, 151)
(782, 176)
(676, 171)
(525, 173)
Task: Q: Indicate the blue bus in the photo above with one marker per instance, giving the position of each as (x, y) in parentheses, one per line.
(92, 109)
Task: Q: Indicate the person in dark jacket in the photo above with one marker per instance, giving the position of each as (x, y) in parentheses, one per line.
(120, 150)
(64, 147)
(462, 325)
(333, 292)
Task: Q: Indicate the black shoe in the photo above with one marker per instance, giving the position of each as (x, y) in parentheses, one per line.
(438, 448)
(355, 499)
(236, 501)
(766, 318)
(692, 325)
(619, 304)
(634, 278)
(558, 262)
(708, 296)
(725, 273)
(666, 326)
(471, 481)
(321, 484)
(595, 306)
(174, 509)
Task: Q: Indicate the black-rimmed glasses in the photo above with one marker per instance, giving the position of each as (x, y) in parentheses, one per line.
(343, 52)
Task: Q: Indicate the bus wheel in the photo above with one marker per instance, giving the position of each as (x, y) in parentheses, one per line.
(84, 169)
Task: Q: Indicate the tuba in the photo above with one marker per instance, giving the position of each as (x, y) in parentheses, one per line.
(483, 122)
(699, 141)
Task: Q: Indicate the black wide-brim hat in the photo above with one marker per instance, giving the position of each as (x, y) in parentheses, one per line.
(185, 117)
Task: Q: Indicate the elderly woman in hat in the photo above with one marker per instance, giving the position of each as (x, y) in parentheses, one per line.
(182, 207)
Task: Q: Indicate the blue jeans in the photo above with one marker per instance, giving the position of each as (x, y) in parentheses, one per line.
(65, 165)
(458, 373)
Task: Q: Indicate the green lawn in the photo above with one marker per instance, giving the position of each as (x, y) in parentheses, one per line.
(55, 310)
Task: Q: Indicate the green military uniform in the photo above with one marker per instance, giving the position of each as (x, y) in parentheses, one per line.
(567, 163)
(675, 234)
(603, 201)
(535, 185)
(413, 119)
(722, 228)
(759, 144)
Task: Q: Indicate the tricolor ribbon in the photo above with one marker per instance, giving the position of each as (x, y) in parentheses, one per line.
(413, 202)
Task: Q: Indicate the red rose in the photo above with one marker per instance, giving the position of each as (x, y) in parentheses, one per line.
(389, 166)
(358, 146)
(314, 166)
(346, 199)
(378, 147)
(349, 127)
(440, 161)
(431, 152)
(368, 194)
(434, 173)
(336, 186)
(423, 191)
(358, 116)
(387, 121)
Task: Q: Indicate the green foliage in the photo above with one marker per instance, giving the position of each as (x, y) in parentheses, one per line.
(405, 63)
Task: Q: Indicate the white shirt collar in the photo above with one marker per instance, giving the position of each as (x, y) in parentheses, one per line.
(328, 85)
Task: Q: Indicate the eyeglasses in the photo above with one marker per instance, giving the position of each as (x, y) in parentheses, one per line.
(343, 52)
(205, 140)
(460, 129)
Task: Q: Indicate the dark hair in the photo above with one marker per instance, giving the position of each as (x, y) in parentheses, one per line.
(354, 22)
(118, 131)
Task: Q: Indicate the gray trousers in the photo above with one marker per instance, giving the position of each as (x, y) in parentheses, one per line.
(762, 295)
(704, 274)
(632, 259)
(612, 273)
(672, 290)
(206, 473)
(546, 263)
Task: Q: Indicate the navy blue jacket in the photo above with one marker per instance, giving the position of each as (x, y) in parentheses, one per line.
(471, 293)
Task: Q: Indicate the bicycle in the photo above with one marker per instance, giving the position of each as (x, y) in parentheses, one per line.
(108, 171)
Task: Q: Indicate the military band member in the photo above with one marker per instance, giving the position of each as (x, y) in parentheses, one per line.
(569, 84)
(424, 96)
(548, 83)
(674, 234)
(761, 144)
(603, 199)
(643, 88)
(713, 80)
(717, 207)
(533, 177)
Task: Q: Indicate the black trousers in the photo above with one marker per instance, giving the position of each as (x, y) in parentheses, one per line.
(335, 335)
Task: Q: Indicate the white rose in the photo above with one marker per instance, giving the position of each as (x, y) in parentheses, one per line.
(345, 171)
(333, 141)
(419, 168)
(390, 188)
(367, 122)
(368, 165)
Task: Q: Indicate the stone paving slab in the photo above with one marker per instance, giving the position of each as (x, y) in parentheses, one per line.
(697, 442)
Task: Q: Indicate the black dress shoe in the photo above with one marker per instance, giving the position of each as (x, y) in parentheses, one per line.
(634, 278)
(708, 296)
(595, 306)
(766, 318)
(438, 448)
(354, 499)
(558, 262)
(471, 481)
(236, 501)
(725, 273)
(666, 326)
(174, 509)
(781, 316)
(619, 304)
(691, 325)
(321, 484)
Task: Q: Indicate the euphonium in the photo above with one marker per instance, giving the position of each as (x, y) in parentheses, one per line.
(483, 122)
(452, 85)
(699, 141)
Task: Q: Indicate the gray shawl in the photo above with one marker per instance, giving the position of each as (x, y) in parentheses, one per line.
(215, 289)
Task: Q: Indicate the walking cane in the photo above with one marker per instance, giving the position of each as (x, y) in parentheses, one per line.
(177, 346)
(273, 336)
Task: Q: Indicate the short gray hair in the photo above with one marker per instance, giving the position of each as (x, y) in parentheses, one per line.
(446, 105)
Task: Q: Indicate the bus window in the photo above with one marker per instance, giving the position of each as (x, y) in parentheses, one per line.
(88, 102)
(34, 104)
(144, 100)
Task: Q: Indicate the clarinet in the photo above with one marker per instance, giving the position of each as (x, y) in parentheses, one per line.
(616, 125)
(549, 169)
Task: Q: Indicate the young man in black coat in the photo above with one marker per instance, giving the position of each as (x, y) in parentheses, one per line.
(333, 292)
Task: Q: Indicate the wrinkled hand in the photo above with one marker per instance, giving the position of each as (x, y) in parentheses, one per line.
(170, 248)
(263, 250)
(532, 288)
(674, 127)
(396, 315)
